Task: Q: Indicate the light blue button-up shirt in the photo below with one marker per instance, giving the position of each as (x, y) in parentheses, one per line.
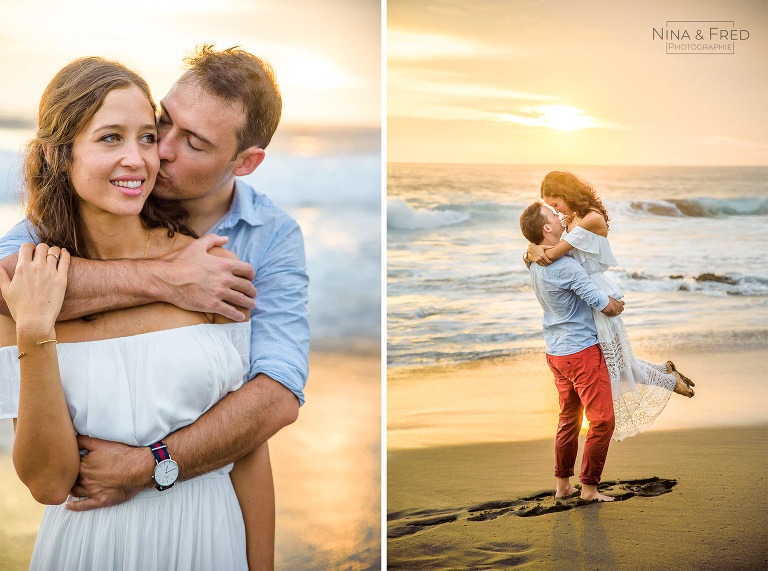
(566, 294)
(270, 240)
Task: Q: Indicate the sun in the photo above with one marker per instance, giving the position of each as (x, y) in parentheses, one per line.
(563, 117)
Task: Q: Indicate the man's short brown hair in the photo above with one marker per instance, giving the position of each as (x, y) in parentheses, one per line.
(237, 76)
(532, 223)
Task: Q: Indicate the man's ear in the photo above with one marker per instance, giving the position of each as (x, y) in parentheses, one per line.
(247, 161)
(547, 229)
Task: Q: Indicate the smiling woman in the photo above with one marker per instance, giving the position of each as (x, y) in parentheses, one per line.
(95, 160)
(116, 151)
(110, 136)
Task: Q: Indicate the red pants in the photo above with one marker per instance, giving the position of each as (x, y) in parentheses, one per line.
(583, 383)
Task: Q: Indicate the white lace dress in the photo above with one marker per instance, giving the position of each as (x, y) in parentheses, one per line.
(640, 389)
(137, 390)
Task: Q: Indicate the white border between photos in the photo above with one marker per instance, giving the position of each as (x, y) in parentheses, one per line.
(383, 153)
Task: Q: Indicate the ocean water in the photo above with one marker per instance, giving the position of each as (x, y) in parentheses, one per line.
(457, 289)
(329, 181)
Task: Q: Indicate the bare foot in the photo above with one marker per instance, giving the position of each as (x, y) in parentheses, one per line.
(564, 488)
(681, 387)
(671, 368)
(590, 493)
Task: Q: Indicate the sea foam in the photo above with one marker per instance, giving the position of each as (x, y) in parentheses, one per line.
(401, 216)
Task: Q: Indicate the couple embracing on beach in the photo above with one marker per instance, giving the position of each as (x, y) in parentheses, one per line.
(588, 349)
(143, 380)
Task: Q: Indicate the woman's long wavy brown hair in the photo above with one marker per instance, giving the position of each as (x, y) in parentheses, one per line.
(69, 102)
(578, 194)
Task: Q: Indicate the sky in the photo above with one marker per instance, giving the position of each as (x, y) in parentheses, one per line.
(326, 55)
(588, 82)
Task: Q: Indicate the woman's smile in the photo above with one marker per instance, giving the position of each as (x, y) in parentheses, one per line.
(130, 186)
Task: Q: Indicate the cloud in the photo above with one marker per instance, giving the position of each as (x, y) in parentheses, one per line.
(407, 84)
(445, 97)
(414, 46)
(556, 117)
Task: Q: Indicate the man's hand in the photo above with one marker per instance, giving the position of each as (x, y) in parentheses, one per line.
(198, 281)
(110, 474)
(614, 307)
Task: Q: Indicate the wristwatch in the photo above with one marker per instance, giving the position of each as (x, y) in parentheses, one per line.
(166, 470)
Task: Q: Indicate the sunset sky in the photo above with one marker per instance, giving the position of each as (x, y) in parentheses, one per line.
(326, 54)
(562, 82)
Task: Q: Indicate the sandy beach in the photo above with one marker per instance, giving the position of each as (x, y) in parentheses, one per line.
(326, 469)
(470, 484)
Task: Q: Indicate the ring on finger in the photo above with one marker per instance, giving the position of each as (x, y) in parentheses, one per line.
(54, 255)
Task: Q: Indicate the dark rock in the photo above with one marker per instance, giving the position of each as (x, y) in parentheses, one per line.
(716, 278)
(676, 277)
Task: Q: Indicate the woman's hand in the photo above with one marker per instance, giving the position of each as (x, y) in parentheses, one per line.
(36, 293)
(538, 254)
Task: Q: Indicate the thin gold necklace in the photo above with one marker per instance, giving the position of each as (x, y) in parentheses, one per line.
(149, 237)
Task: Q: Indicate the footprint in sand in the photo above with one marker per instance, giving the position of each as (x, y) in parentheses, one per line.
(410, 522)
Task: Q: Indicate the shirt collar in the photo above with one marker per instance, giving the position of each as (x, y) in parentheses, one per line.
(243, 207)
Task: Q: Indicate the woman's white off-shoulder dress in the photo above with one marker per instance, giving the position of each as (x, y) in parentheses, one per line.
(640, 389)
(137, 390)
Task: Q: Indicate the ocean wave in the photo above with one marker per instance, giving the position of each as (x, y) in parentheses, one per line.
(730, 284)
(400, 216)
(696, 207)
(454, 357)
(502, 281)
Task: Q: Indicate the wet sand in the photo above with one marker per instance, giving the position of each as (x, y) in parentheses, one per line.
(706, 511)
(514, 399)
(326, 468)
(470, 483)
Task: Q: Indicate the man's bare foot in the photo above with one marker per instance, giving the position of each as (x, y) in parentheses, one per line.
(564, 488)
(590, 493)
(681, 387)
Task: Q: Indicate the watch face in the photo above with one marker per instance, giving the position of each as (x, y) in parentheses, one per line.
(166, 472)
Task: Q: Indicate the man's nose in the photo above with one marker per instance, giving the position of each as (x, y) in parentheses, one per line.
(166, 148)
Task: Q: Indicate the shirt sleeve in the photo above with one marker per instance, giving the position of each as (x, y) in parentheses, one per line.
(576, 278)
(280, 321)
(15, 237)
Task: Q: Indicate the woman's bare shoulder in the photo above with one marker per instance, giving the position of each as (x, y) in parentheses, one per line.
(595, 223)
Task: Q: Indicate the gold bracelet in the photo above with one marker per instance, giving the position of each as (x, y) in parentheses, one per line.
(22, 353)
